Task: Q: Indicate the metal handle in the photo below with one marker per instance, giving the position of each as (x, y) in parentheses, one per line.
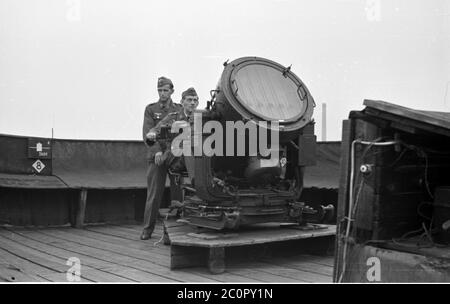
(301, 92)
(233, 83)
(213, 94)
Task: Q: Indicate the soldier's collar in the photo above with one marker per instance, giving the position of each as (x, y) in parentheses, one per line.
(185, 114)
(167, 104)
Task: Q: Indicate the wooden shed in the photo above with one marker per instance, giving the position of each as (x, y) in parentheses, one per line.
(394, 196)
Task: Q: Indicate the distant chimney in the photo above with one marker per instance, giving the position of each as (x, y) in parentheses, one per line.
(324, 121)
(447, 96)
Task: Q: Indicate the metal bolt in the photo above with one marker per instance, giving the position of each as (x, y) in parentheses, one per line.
(366, 168)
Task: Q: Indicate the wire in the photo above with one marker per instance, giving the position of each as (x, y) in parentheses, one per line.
(353, 203)
(162, 237)
(411, 233)
(428, 233)
(427, 185)
(357, 198)
(422, 154)
(420, 212)
(350, 207)
(399, 157)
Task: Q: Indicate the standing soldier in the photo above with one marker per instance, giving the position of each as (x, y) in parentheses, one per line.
(154, 115)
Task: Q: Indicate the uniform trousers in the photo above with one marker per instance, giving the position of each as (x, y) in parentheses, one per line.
(156, 182)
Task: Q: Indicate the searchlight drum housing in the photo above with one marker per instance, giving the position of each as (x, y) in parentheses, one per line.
(259, 89)
(231, 190)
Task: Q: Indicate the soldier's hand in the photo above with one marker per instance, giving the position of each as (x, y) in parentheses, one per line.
(151, 135)
(158, 158)
(180, 124)
(169, 118)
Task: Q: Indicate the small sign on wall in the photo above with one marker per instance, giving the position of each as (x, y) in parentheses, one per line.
(39, 148)
(38, 166)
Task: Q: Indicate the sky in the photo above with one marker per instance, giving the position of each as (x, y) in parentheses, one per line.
(87, 69)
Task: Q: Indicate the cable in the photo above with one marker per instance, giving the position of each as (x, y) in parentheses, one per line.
(422, 154)
(419, 212)
(399, 157)
(427, 185)
(428, 233)
(162, 237)
(350, 205)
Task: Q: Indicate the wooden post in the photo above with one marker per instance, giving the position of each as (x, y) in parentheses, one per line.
(187, 256)
(81, 209)
(216, 260)
(166, 239)
(347, 138)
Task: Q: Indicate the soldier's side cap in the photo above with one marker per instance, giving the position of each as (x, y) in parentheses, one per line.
(189, 92)
(162, 81)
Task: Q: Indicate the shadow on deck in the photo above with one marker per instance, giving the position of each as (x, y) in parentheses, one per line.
(114, 253)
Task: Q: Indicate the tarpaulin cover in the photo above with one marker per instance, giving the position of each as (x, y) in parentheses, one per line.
(30, 181)
(325, 174)
(100, 164)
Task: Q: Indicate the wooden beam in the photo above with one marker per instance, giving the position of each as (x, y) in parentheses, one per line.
(418, 125)
(347, 137)
(184, 256)
(81, 209)
(437, 119)
(216, 260)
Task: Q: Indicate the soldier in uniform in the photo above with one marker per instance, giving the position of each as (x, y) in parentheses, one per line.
(155, 114)
(189, 101)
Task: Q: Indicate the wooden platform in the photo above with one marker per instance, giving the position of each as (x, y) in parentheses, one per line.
(193, 246)
(114, 253)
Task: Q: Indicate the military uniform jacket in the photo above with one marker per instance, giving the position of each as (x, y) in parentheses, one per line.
(153, 114)
(182, 116)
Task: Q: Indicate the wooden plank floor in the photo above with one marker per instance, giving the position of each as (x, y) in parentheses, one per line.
(114, 253)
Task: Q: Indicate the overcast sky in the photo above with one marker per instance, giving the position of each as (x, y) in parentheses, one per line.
(89, 68)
